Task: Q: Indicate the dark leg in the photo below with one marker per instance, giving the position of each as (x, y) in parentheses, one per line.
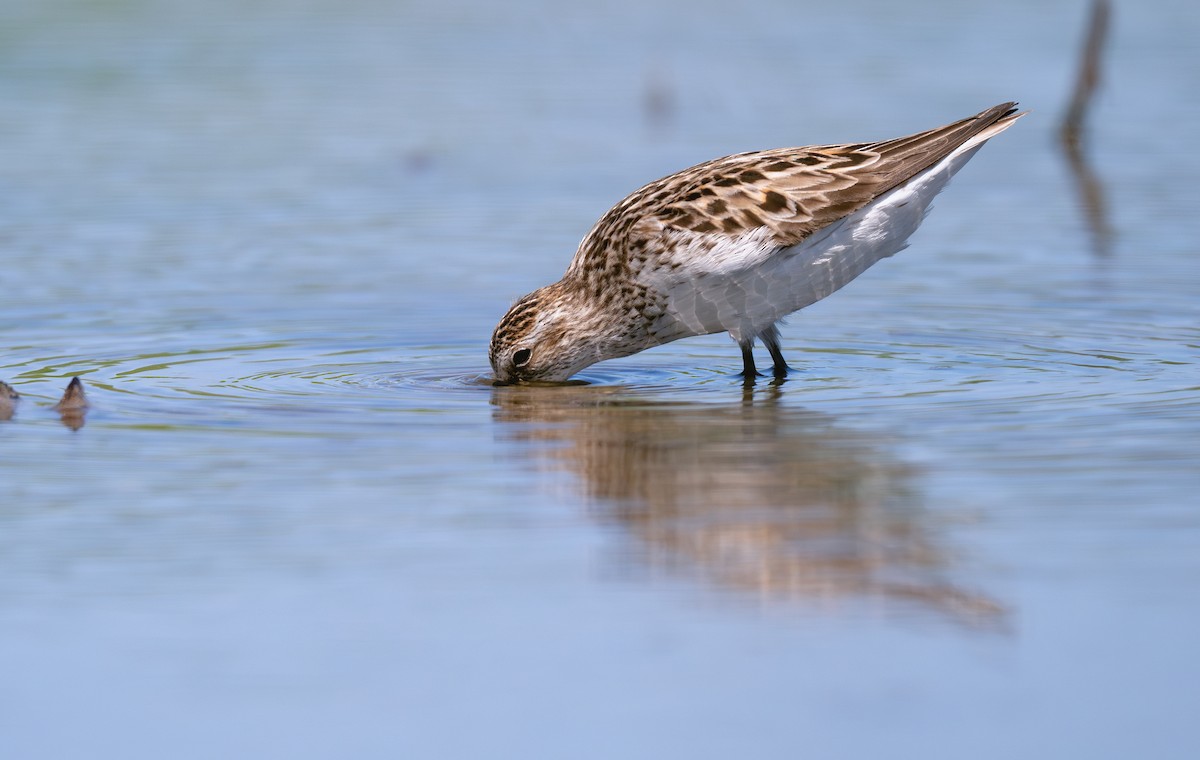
(770, 339)
(748, 370)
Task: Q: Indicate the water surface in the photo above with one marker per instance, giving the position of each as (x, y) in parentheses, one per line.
(273, 239)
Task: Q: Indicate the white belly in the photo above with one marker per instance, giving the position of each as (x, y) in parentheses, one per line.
(745, 285)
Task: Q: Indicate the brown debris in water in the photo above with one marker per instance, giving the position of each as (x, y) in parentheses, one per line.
(8, 400)
(73, 405)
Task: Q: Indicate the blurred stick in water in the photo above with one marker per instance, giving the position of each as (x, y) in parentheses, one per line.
(658, 101)
(1071, 131)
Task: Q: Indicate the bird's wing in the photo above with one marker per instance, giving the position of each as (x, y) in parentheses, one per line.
(779, 196)
(739, 242)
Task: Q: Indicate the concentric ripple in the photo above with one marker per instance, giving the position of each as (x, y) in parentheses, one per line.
(997, 369)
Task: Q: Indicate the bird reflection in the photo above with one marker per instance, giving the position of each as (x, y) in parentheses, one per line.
(755, 496)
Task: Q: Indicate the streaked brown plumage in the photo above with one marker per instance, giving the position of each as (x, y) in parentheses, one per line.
(733, 244)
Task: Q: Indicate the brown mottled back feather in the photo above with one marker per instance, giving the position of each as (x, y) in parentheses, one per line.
(792, 191)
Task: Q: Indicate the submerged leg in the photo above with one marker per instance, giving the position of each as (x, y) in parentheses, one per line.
(770, 339)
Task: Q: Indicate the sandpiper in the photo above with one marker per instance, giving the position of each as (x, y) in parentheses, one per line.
(734, 244)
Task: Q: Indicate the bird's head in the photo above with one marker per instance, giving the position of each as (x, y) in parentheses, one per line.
(547, 336)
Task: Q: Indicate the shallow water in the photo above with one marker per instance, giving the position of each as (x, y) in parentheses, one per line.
(297, 520)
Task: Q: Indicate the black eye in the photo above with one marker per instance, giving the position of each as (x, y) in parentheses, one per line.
(521, 357)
